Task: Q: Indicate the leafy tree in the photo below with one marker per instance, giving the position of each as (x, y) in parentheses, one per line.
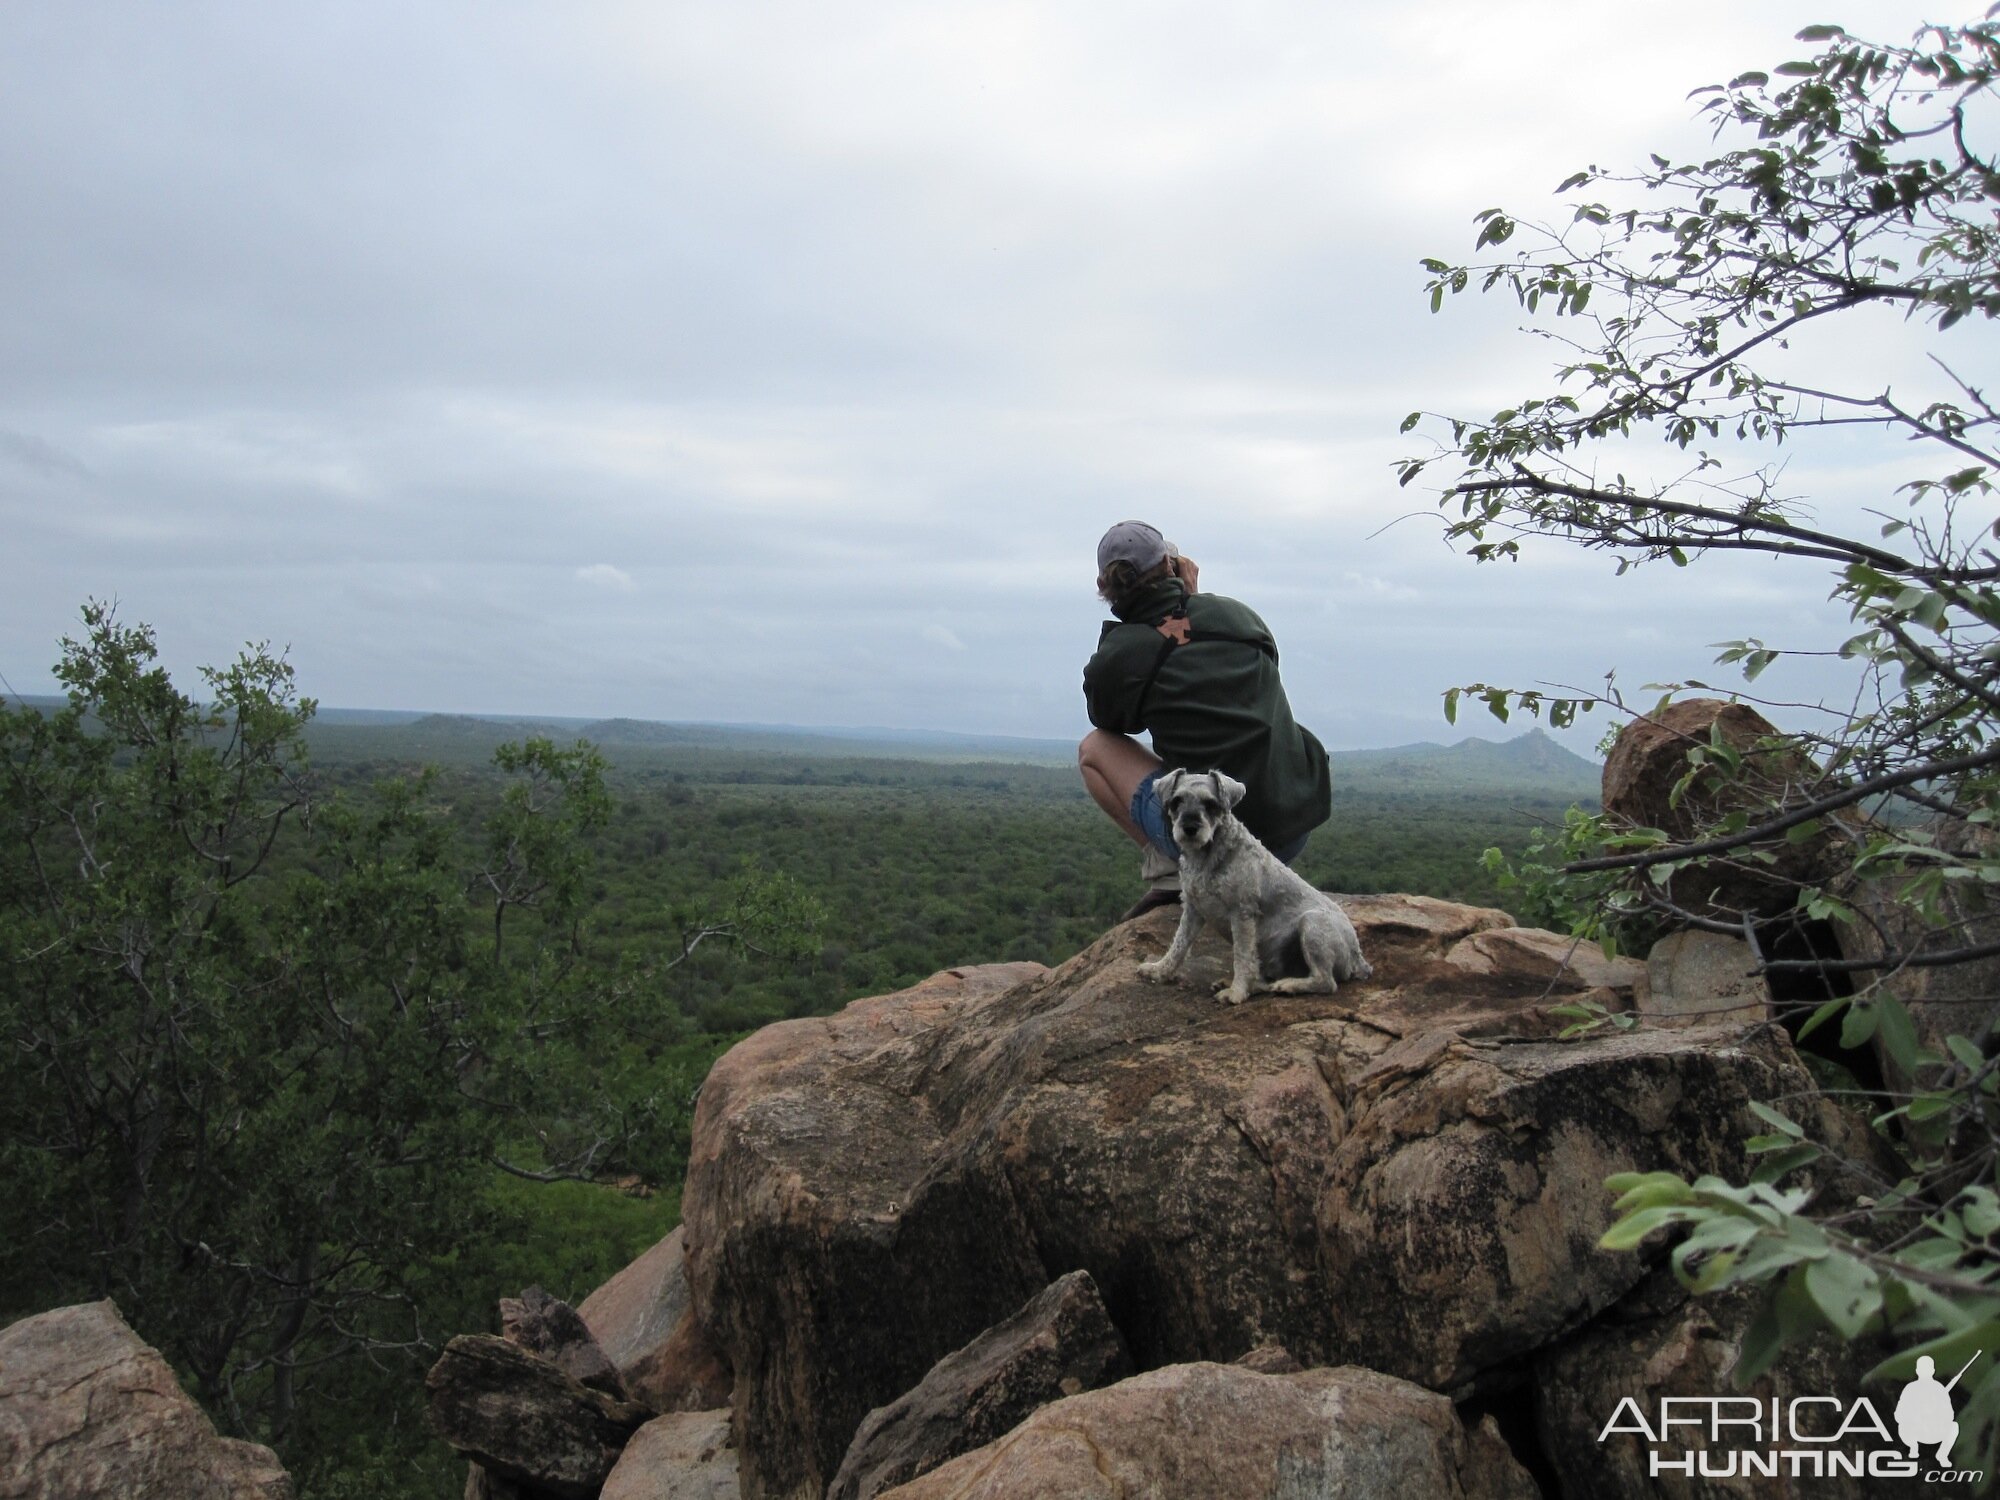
(1713, 304)
(267, 1047)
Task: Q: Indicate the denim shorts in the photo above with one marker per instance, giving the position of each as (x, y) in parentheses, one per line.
(1151, 819)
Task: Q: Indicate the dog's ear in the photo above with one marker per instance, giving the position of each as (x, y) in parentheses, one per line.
(1166, 784)
(1230, 789)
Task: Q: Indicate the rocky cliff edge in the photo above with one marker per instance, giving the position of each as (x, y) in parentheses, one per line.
(1405, 1177)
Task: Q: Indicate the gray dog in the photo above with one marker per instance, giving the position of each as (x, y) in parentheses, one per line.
(1227, 877)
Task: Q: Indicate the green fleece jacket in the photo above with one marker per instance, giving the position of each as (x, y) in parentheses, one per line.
(1212, 704)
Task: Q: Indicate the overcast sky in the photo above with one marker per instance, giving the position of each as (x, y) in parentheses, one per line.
(782, 363)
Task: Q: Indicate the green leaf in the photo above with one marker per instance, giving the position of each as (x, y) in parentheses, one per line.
(1627, 1232)
(1788, 1313)
(1948, 1351)
(1859, 1025)
(1826, 1012)
(1981, 1212)
(1770, 1116)
(1642, 1189)
(1897, 1032)
(1779, 1164)
(1845, 1291)
(1708, 1257)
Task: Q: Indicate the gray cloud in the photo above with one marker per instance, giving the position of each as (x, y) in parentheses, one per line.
(685, 361)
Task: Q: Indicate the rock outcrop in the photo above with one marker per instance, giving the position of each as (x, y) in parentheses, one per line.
(1058, 1345)
(1696, 976)
(1220, 1432)
(88, 1409)
(636, 1311)
(1962, 998)
(1650, 759)
(1407, 1175)
(643, 1321)
(546, 1325)
(522, 1420)
(680, 1456)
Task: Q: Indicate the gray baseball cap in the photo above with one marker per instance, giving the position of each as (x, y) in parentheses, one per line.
(1136, 543)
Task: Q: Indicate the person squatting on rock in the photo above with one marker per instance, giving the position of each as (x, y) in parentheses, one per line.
(1199, 673)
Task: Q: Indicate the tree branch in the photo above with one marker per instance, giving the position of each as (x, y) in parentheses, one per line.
(1860, 791)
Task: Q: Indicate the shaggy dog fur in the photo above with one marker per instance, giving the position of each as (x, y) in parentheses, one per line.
(1276, 921)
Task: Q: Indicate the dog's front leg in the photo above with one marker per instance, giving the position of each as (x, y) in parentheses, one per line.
(1245, 975)
(1168, 964)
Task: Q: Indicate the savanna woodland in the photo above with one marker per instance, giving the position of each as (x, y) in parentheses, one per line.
(324, 1034)
(1764, 301)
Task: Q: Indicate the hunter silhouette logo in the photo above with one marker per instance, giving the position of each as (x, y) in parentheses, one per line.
(1923, 1412)
(1800, 1436)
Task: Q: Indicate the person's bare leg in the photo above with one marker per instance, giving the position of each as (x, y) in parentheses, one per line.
(1112, 766)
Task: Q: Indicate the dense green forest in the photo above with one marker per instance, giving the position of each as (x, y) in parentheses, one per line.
(315, 1000)
(923, 863)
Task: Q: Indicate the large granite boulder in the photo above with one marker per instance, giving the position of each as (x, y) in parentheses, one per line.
(544, 1324)
(1458, 1216)
(1061, 1343)
(1694, 976)
(88, 1409)
(521, 1420)
(643, 1321)
(1406, 1175)
(680, 1456)
(1945, 999)
(1650, 759)
(636, 1311)
(1221, 1432)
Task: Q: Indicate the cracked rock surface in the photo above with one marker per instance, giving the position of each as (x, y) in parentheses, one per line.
(1406, 1175)
(88, 1409)
(1217, 1432)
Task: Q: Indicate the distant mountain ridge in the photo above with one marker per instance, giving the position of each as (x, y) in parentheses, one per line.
(1530, 761)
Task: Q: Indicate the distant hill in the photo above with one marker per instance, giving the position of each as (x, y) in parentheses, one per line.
(468, 739)
(474, 729)
(1529, 761)
(787, 739)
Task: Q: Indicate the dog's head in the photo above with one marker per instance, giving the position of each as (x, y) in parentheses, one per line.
(1196, 804)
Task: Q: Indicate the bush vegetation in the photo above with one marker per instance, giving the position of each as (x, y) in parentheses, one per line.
(1728, 306)
(315, 1056)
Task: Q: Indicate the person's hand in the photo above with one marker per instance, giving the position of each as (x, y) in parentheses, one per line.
(1187, 571)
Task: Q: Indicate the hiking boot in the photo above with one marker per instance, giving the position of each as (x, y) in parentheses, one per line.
(1153, 900)
(1162, 875)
